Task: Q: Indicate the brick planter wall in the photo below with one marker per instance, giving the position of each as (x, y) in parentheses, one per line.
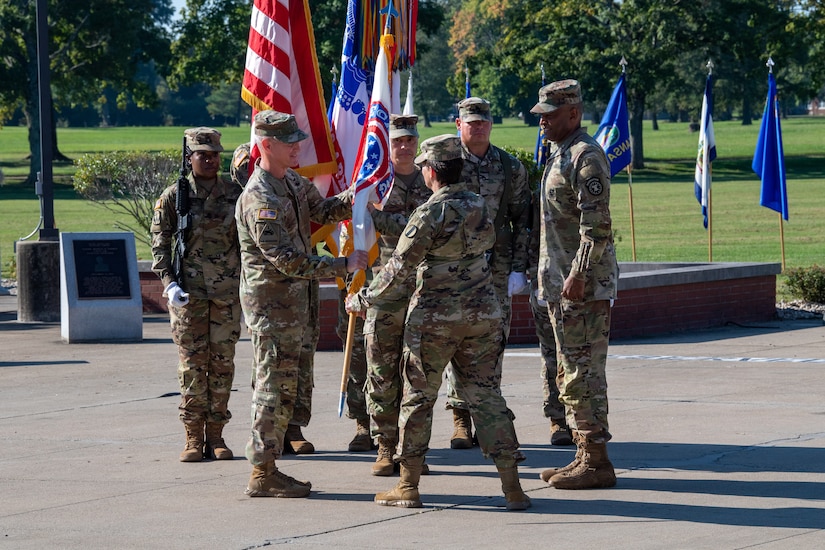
(653, 299)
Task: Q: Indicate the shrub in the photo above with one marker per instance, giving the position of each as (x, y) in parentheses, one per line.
(127, 182)
(526, 158)
(807, 283)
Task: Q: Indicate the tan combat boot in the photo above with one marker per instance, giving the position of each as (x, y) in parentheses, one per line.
(295, 443)
(193, 451)
(267, 481)
(547, 474)
(384, 464)
(594, 470)
(515, 497)
(215, 445)
(462, 430)
(362, 442)
(405, 494)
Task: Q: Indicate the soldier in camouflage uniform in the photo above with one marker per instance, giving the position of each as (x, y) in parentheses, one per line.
(454, 315)
(294, 442)
(560, 434)
(204, 307)
(502, 181)
(577, 276)
(384, 327)
(279, 291)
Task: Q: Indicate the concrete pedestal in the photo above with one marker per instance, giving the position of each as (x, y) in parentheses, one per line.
(38, 281)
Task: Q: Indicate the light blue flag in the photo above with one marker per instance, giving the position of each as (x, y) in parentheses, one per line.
(769, 157)
(706, 152)
(614, 133)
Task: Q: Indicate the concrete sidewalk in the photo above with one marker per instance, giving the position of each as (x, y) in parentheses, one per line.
(719, 442)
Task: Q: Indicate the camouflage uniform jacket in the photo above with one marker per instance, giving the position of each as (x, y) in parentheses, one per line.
(211, 267)
(278, 260)
(486, 176)
(391, 220)
(576, 233)
(445, 241)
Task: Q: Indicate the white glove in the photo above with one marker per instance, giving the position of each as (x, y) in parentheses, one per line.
(516, 283)
(177, 297)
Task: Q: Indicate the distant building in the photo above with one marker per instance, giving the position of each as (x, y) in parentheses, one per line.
(816, 107)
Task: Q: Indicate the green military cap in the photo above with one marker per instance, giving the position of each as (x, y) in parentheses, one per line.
(556, 94)
(280, 126)
(440, 149)
(203, 139)
(474, 108)
(403, 125)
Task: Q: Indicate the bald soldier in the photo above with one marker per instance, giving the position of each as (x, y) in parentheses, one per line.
(454, 316)
(279, 293)
(204, 308)
(577, 276)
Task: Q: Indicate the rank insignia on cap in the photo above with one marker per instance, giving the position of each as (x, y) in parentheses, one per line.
(158, 204)
(267, 214)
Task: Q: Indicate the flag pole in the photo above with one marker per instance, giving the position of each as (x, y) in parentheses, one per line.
(782, 240)
(347, 361)
(623, 63)
(710, 192)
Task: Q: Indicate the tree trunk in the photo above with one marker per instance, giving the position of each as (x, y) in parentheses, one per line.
(637, 112)
(655, 120)
(746, 109)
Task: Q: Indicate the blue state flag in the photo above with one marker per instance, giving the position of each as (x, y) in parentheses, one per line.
(614, 133)
(706, 152)
(769, 157)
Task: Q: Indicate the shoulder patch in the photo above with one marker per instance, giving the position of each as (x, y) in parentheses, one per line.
(594, 185)
(267, 214)
(411, 231)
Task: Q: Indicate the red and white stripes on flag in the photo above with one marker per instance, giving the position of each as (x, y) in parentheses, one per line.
(281, 73)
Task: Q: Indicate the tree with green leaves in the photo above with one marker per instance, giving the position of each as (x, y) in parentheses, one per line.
(94, 45)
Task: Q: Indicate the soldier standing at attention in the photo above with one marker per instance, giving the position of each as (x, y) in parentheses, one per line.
(204, 307)
(578, 276)
(502, 181)
(279, 292)
(454, 316)
(384, 326)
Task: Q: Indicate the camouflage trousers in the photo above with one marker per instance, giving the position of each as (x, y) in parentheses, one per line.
(475, 350)
(582, 332)
(281, 388)
(356, 398)
(454, 401)
(384, 342)
(552, 407)
(205, 332)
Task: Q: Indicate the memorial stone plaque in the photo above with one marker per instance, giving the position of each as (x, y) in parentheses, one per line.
(101, 268)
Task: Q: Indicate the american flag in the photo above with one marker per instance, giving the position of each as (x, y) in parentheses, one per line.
(281, 73)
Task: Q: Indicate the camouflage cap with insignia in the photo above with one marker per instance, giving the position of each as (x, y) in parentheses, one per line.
(239, 169)
(403, 125)
(281, 126)
(557, 94)
(203, 139)
(440, 149)
(474, 108)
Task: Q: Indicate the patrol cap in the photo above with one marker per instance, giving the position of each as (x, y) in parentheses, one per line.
(280, 126)
(403, 125)
(440, 149)
(474, 108)
(203, 139)
(556, 94)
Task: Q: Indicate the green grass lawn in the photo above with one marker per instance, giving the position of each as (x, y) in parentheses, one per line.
(667, 218)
